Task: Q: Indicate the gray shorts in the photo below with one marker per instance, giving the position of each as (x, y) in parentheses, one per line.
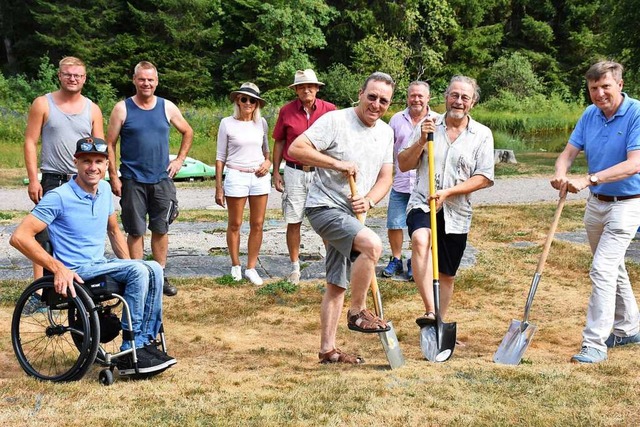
(138, 200)
(338, 228)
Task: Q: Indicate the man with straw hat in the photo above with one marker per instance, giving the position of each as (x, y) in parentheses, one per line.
(295, 118)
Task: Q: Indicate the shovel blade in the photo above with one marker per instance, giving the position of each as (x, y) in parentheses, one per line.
(514, 343)
(438, 341)
(391, 347)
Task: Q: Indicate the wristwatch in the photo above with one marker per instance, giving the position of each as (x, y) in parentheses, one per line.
(372, 204)
(593, 179)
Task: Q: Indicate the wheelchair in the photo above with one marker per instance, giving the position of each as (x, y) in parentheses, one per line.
(57, 338)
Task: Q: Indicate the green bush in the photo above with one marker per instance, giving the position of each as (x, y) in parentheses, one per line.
(513, 74)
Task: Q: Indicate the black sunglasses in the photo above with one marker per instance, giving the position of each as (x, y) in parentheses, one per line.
(244, 100)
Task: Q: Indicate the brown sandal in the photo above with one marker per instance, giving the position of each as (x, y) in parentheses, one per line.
(337, 356)
(366, 322)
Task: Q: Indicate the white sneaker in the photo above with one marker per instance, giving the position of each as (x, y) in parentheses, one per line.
(294, 277)
(236, 272)
(252, 275)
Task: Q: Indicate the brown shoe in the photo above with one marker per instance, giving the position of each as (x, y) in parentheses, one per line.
(366, 322)
(337, 356)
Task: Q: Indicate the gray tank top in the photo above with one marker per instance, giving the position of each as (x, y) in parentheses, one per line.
(59, 136)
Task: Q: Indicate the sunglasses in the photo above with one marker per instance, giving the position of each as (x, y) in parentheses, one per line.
(245, 99)
(373, 98)
(90, 147)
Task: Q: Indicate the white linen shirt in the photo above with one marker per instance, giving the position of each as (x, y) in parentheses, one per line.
(470, 154)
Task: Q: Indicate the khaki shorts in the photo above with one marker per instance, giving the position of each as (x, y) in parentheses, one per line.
(339, 229)
(296, 186)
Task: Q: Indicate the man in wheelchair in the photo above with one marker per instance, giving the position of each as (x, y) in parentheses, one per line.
(78, 215)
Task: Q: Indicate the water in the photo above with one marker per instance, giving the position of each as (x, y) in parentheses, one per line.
(546, 141)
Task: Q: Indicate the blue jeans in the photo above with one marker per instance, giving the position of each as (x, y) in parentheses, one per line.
(397, 210)
(143, 292)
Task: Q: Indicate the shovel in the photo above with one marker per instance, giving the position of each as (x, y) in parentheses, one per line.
(436, 341)
(520, 334)
(389, 339)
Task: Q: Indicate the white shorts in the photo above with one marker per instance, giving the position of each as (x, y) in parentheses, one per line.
(296, 186)
(243, 184)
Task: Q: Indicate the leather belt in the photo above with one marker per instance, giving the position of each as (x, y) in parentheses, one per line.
(245, 170)
(301, 167)
(59, 176)
(604, 198)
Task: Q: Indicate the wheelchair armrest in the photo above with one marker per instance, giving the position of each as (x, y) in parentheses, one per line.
(103, 286)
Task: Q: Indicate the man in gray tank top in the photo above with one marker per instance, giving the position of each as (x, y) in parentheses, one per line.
(58, 119)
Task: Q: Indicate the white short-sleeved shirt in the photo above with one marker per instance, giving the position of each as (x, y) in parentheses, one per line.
(470, 154)
(242, 144)
(341, 135)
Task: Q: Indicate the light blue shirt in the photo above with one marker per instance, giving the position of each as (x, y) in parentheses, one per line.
(606, 142)
(77, 222)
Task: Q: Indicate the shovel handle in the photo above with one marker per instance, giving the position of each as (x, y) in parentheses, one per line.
(543, 258)
(552, 232)
(377, 299)
(432, 208)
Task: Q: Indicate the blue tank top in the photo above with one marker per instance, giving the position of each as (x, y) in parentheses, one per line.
(144, 139)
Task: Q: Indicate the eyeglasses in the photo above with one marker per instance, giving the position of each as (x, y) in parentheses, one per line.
(92, 147)
(465, 98)
(244, 100)
(69, 76)
(373, 98)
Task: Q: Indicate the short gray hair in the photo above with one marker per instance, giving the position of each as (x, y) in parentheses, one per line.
(599, 69)
(379, 76)
(468, 80)
(419, 83)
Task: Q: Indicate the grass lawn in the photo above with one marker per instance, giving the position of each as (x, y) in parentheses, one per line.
(250, 358)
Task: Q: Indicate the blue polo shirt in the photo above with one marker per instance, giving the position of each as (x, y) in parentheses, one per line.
(77, 222)
(606, 143)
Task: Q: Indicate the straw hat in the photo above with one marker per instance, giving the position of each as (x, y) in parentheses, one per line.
(307, 76)
(249, 89)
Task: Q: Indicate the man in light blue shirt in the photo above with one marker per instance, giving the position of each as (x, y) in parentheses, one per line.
(609, 134)
(79, 215)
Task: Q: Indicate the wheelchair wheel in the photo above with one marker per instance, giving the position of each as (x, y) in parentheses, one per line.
(52, 335)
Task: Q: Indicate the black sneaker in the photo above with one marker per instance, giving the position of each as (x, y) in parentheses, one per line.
(168, 289)
(159, 354)
(147, 363)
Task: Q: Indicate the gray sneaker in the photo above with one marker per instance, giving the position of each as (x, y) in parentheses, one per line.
(615, 341)
(589, 355)
(34, 305)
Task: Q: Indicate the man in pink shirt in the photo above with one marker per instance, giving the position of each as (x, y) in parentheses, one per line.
(295, 118)
(403, 124)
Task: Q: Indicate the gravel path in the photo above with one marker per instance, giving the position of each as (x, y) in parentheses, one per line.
(505, 191)
(200, 249)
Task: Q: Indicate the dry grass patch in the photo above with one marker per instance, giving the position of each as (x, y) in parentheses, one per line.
(251, 359)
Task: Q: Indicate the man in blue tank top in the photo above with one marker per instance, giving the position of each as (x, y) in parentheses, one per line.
(59, 119)
(145, 185)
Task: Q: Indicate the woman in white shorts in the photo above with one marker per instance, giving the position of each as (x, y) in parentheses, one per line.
(244, 149)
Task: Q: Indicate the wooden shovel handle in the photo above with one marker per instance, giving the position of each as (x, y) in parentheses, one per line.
(377, 303)
(552, 232)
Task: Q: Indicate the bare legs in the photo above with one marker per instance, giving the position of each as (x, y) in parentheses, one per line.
(257, 209)
(423, 272)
